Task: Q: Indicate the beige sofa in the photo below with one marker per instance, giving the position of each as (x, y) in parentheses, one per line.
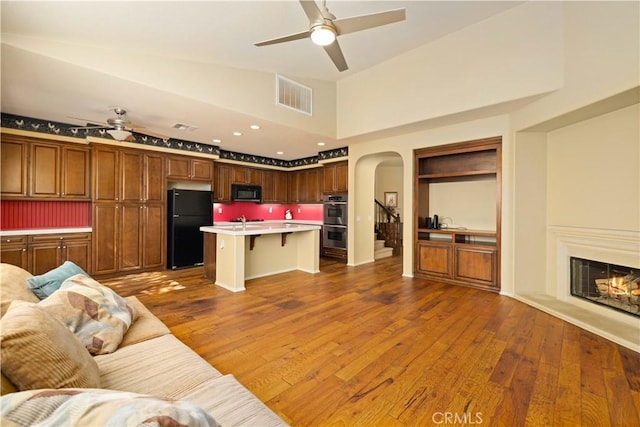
(151, 361)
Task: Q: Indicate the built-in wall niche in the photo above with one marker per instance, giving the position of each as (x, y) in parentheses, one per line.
(461, 183)
(468, 204)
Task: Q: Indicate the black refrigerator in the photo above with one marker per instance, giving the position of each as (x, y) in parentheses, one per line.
(188, 210)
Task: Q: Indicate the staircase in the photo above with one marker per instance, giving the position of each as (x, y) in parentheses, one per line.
(381, 251)
(388, 232)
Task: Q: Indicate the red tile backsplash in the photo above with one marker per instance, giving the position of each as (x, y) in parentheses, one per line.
(261, 211)
(26, 214)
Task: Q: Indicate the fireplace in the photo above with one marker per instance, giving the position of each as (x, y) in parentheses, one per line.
(611, 285)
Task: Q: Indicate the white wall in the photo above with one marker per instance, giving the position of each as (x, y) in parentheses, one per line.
(594, 174)
(510, 56)
(389, 179)
(469, 204)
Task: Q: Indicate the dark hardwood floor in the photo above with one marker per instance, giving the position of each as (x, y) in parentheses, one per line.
(365, 346)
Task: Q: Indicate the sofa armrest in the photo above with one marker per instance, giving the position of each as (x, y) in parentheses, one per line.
(146, 326)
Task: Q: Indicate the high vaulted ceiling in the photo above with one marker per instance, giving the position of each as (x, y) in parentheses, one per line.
(49, 69)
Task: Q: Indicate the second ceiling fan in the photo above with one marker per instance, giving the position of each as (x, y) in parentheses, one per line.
(324, 28)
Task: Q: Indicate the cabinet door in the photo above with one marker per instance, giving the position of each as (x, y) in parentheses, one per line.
(76, 172)
(45, 256)
(328, 183)
(13, 162)
(106, 176)
(294, 187)
(178, 168)
(254, 176)
(13, 250)
(130, 241)
(281, 182)
(314, 186)
(342, 177)
(78, 252)
(154, 182)
(476, 264)
(154, 231)
(105, 238)
(201, 170)
(222, 189)
(44, 170)
(132, 165)
(239, 175)
(434, 258)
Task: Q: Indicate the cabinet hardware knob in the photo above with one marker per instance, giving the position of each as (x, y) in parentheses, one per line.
(64, 247)
(8, 240)
(24, 250)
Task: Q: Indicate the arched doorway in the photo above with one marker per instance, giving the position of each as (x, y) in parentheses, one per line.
(374, 175)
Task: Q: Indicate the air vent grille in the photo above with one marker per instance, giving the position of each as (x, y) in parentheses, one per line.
(293, 95)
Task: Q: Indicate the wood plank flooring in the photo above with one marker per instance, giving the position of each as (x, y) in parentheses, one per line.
(365, 346)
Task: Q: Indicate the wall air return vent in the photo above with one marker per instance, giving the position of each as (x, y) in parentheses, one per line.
(293, 95)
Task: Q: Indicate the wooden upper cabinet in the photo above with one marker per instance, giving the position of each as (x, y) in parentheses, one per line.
(222, 184)
(305, 186)
(336, 177)
(188, 169)
(132, 166)
(154, 182)
(13, 162)
(246, 175)
(45, 170)
(76, 172)
(274, 186)
(42, 169)
(106, 174)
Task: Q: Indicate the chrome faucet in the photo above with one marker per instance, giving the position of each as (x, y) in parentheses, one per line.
(244, 222)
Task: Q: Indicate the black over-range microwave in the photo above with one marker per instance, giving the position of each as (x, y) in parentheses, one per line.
(246, 193)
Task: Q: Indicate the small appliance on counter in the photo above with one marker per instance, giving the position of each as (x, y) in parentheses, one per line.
(287, 214)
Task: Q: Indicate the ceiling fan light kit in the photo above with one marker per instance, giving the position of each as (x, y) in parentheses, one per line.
(324, 29)
(119, 135)
(323, 35)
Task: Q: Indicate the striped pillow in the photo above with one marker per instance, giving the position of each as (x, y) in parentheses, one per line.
(38, 351)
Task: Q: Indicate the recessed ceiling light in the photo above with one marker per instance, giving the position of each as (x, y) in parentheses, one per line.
(280, 152)
(254, 127)
(217, 141)
(321, 143)
(237, 134)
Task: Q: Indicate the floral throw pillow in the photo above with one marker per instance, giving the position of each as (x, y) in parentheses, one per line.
(97, 316)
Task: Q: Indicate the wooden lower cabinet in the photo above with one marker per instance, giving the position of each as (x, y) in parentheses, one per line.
(43, 252)
(458, 261)
(155, 226)
(434, 258)
(105, 238)
(13, 250)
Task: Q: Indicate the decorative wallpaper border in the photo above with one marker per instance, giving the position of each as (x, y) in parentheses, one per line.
(64, 129)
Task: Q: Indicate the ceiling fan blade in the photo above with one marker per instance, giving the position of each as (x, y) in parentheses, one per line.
(335, 53)
(364, 22)
(312, 10)
(289, 38)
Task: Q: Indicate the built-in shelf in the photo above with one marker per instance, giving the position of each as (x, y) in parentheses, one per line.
(457, 255)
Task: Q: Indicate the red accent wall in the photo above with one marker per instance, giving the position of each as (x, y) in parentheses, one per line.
(26, 214)
(261, 211)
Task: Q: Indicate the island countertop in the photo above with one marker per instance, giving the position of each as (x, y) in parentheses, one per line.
(252, 229)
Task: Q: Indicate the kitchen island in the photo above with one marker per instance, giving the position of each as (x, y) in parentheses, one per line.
(236, 253)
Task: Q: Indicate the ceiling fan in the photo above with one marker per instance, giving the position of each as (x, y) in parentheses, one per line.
(324, 28)
(118, 127)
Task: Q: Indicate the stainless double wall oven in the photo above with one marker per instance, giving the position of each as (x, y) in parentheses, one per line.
(334, 230)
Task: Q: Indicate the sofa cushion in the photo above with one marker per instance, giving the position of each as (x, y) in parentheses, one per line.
(94, 407)
(49, 282)
(38, 351)
(145, 327)
(6, 386)
(231, 403)
(13, 286)
(159, 366)
(94, 313)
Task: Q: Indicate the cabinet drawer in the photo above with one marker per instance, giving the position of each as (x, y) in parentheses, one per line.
(53, 237)
(13, 240)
